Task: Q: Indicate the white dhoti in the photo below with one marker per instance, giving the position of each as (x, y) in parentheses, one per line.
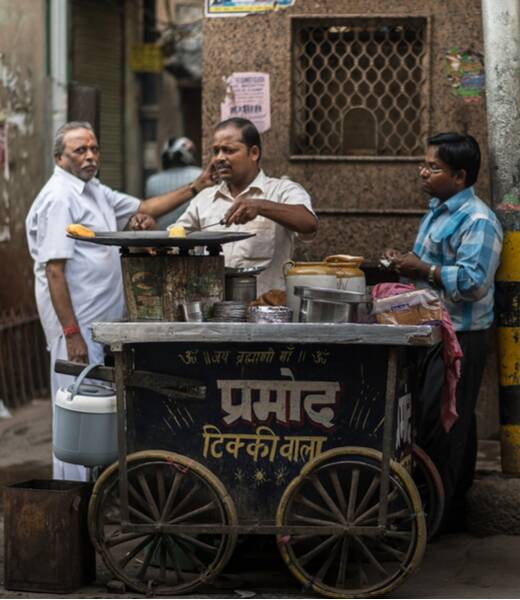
(58, 349)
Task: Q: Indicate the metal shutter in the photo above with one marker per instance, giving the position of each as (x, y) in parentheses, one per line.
(97, 48)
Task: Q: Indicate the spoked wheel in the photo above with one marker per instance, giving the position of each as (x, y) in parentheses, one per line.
(431, 489)
(342, 487)
(163, 488)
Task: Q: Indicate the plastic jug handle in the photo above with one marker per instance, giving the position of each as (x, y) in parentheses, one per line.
(288, 265)
(81, 377)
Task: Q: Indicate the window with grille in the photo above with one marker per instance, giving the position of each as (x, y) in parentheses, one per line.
(360, 87)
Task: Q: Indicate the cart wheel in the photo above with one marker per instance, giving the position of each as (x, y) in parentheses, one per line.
(341, 487)
(163, 488)
(431, 489)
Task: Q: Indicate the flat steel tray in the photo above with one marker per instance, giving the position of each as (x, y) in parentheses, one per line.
(160, 238)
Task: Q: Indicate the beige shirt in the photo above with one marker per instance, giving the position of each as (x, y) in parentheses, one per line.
(271, 246)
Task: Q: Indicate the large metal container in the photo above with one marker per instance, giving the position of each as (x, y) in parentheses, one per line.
(47, 545)
(323, 305)
(340, 271)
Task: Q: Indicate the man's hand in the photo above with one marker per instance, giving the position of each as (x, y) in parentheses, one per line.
(207, 178)
(140, 222)
(391, 253)
(77, 349)
(409, 265)
(242, 211)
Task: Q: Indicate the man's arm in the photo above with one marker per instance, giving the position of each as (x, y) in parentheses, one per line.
(476, 261)
(160, 205)
(77, 349)
(295, 217)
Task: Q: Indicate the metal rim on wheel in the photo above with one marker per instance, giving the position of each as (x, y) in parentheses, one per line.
(431, 489)
(341, 488)
(164, 488)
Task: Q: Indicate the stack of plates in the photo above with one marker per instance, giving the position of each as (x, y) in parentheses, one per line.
(269, 314)
(229, 312)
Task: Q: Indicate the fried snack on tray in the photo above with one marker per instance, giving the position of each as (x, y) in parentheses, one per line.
(270, 298)
(177, 231)
(80, 230)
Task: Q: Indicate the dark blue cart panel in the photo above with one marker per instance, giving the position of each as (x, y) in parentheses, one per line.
(270, 408)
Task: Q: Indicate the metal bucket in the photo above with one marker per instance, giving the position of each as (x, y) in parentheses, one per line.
(47, 546)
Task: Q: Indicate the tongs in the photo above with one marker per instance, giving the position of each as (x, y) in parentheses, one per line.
(221, 222)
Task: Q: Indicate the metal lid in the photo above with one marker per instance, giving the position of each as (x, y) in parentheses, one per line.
(90, 399)
(243, 272)
(331, 295)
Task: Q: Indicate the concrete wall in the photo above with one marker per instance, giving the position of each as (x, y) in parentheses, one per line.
(262, 43)
(350, 196)
(23, 93)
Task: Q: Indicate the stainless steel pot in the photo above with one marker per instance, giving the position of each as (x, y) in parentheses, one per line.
(325, 305)
(241, 284)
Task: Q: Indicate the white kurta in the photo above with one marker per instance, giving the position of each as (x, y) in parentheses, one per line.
(93, 272)
(272, 245)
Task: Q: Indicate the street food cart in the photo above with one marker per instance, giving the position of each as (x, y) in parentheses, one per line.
(302, 431)
(298, 430)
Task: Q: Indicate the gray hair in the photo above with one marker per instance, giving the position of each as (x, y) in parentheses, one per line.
(59, 144)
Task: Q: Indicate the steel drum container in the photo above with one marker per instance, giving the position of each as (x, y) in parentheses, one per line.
(337, 272)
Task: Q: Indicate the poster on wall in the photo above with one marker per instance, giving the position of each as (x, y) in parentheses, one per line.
(248, 96)
(465, 70)
(237, 8)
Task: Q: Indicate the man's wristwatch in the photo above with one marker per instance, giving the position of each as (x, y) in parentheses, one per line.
(193, 189)
(431, 274)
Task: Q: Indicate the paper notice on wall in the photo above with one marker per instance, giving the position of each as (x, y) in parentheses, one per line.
(248, 95)
(237, 8)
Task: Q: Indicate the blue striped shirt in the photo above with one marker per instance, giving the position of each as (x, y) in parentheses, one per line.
(463, 236)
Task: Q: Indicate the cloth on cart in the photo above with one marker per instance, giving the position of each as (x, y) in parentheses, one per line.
(451, 353)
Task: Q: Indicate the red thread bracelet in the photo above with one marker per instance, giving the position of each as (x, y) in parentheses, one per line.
(71, 330)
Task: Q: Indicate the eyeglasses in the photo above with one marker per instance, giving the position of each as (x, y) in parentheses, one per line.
(430, 170)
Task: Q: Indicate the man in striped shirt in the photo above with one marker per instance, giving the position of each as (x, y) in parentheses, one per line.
(456, 252)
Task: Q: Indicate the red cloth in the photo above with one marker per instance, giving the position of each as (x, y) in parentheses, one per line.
(451, 353)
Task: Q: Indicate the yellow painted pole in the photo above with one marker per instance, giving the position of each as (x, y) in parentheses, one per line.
(508, 322)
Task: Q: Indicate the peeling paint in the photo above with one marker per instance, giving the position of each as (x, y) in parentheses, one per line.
(16, 121)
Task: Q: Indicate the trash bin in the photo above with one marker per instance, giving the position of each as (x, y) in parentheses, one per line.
(47, 545)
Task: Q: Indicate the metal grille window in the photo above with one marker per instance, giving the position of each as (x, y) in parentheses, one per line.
(360, 87)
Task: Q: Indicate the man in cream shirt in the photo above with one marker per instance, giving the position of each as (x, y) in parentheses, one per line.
(246, 200)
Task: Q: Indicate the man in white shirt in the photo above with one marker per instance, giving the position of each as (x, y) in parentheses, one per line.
(248, 200)
(77, 282)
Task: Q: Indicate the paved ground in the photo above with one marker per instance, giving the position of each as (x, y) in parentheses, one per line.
(460, 566)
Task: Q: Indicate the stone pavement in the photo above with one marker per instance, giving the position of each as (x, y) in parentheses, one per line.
(456, 566)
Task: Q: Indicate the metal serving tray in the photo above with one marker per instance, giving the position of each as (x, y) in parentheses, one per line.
(160, 238)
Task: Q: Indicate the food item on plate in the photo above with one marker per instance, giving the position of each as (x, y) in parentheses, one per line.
(176, 231)
(80, 230)
(270, 298)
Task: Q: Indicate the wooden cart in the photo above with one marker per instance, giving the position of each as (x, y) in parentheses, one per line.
(302, 431)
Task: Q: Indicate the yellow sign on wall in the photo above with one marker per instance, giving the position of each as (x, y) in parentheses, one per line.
(146, 58)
